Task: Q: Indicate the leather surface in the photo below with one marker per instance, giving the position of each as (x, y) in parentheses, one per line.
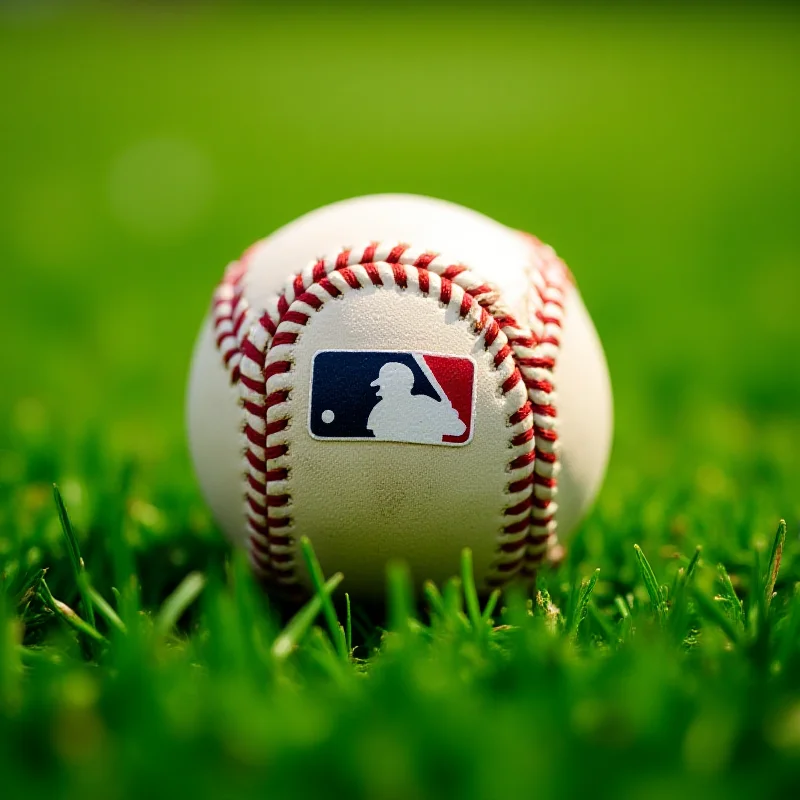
(422, 222)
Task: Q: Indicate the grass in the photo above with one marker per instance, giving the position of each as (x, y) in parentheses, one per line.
(646, 689)
(142, 148)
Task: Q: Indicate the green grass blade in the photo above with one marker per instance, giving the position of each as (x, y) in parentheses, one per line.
(452, 596)
(728, 596)
(491, 605)
(584, 593)
(104, 609)
(30, 585)
(651, 584)
(695, 560)
(173, 608)
(470, 591)
(299, 625)
(679, 616)
(434, 598)
(319, 647)
(348, 629)
(775, 562)
(318, 581)
(27, 611)
(400, 596)
(453, 599)
(70, 616)
(74, 550)
(622, 607)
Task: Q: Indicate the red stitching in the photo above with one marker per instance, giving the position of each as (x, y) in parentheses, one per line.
(350, 277)
(375, 277)
(396, 254)
(254, 386)
(274, 399)
(523, 437)
(520, 485)
(368, 255)
(521, 526)
(520, 507)
(534, 354)
(512, 547)
(522, 461)
(229, 312)
(511, 381)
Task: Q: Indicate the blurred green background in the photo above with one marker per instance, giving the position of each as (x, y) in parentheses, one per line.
(143, 146)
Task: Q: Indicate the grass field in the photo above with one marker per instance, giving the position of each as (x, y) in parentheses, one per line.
(143, 148)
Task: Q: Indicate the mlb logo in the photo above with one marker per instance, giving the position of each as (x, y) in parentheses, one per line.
(392, 396)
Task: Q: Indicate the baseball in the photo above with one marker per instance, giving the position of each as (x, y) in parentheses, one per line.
(398, 377)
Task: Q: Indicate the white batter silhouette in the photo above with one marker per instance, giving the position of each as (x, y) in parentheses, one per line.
(404, 417)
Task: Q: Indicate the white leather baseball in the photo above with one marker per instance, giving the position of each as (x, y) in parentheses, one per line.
(391, 279)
